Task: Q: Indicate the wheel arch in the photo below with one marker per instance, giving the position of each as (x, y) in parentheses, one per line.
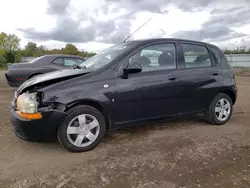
(95, 104)
(230, 93)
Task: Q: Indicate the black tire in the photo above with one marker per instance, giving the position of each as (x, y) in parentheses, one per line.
(210, 113)
(72, 113)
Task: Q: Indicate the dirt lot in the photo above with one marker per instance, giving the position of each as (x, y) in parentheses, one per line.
(183, 153)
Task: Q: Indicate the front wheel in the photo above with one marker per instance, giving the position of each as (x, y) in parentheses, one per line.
(220, 109)
(82, 130)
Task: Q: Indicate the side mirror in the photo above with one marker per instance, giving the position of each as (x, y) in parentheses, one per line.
(75, 66)
(132, 68)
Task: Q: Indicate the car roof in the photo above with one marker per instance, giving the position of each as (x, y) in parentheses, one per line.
(145, 41)
(62, 55)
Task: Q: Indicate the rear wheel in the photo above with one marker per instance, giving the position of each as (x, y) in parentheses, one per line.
(220, 109)
(82, 130)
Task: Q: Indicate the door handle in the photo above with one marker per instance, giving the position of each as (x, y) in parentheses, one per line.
(171, 78)
(215, 74)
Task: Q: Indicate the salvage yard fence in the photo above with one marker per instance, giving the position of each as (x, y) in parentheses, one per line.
(239, 60)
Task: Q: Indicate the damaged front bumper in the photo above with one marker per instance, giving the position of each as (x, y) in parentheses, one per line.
(44, 129)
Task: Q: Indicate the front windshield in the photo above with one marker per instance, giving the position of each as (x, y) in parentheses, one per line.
(105, 57)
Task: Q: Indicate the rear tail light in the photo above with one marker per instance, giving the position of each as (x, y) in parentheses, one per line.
(19, 79)
(235, 89)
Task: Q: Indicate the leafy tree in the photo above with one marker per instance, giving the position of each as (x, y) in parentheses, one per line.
(41, 50)
(10, 52)
(2, 59)
(238, 50)
(70, 49)
(30, 49)
(53, 51)
(18, 56)
(9, 44)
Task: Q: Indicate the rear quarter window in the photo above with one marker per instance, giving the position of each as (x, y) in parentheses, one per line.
(217, 55)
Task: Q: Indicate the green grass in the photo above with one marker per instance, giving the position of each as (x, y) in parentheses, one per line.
(3, 67)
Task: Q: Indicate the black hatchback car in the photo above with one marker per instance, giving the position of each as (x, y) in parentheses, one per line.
(128, 83)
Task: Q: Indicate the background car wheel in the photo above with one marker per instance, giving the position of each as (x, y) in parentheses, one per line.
(220, 110)
(82, 130)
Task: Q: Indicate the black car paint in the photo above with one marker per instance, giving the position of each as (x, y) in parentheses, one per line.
(39, 129)
(140, 96)
(39, 66)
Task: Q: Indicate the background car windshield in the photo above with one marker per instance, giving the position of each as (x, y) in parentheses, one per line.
(105, 57)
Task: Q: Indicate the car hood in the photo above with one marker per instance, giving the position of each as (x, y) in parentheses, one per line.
(53, 76)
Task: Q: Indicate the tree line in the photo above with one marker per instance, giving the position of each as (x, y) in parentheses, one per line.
(238, 50)
(10, 51)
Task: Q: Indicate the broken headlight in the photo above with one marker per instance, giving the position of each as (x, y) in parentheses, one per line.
(27, 103)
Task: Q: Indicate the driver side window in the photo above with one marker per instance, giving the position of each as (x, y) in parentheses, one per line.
(156, 57)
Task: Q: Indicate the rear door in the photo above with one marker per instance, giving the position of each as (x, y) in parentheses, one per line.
(201, 79)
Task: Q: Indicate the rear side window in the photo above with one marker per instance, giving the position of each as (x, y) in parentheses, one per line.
(68, 62)
(196, 56)
(72, 61)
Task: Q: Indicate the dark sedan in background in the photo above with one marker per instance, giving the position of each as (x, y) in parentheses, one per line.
(19, 72)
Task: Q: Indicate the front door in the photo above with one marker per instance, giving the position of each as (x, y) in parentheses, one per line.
(152, 93)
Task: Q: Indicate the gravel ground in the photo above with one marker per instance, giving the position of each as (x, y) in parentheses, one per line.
(179, 153)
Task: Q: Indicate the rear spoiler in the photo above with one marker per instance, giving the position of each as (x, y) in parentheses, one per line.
(8, 64)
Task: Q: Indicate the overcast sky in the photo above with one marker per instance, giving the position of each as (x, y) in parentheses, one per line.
(96, 24)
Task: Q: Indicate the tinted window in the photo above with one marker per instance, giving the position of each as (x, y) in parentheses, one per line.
(68, 61)
(156, 57)
(72, 61)
(59, 61)
(196, 56)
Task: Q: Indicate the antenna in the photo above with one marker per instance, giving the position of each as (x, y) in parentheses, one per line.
(137, 30)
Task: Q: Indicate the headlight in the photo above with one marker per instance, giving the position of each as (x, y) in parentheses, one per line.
(26, 103)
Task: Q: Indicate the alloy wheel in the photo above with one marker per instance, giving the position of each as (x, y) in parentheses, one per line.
(222, 109)
(83, 130)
